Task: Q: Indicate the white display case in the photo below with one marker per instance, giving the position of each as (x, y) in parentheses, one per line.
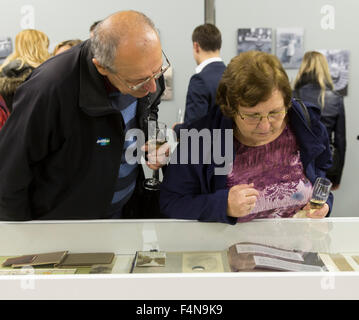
(125, 237)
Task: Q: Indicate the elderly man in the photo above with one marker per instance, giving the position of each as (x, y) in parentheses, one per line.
(63, 149)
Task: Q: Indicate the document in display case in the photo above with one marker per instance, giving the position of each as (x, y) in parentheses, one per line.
(182, 262)
(240, 257)
(247, 256)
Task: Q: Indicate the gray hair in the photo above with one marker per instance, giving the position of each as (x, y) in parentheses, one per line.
(106, 40)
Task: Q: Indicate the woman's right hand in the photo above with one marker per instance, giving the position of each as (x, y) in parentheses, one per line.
(241, 200)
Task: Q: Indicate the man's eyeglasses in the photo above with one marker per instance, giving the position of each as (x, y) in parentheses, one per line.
(138, 86)
(257, 118)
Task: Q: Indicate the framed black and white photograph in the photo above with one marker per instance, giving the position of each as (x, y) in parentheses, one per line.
(259, 39)
(168, 93)
(290, 47)
(338, 61)
(5, 48)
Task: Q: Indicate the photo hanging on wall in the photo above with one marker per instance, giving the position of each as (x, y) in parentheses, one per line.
(168, 93)
(259, 39)
(5, 48)
(290, 47)
(338, 61)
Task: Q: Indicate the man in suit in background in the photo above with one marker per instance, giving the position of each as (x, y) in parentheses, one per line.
(202, 88)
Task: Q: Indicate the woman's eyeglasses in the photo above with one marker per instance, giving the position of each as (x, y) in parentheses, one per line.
(257, 118)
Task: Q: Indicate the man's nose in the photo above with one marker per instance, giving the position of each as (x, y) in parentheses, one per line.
(151, 86)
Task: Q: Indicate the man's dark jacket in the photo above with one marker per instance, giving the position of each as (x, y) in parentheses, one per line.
(201, 93)
(52, 162)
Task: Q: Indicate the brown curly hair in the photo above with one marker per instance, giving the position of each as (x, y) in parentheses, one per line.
(250, 78)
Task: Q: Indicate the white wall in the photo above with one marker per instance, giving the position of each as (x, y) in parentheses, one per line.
(234, 14)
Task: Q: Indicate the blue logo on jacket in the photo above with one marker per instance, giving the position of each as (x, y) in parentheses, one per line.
(103, 142)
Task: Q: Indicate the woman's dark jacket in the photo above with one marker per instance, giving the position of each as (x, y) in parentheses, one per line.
(11, 77)
(52, 165)
(333, 117)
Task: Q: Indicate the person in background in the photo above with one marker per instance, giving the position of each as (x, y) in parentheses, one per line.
(277, 157)
(201, 94)
(31, 50)
(4, 112)
(66, 140)
(92, 28)
(314, 84)
(65, 45)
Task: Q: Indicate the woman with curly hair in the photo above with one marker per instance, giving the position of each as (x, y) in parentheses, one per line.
(279, 148)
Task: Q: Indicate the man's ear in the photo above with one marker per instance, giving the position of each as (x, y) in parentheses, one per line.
(100, 68)
(196, 47)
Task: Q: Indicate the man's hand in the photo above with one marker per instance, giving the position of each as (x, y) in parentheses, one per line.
(241, 200)
(156, 159)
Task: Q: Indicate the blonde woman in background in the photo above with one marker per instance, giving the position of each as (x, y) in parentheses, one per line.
(314, 84)
(31, 49)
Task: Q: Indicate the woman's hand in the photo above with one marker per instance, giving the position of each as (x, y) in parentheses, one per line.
(241, 200)
(316, 213)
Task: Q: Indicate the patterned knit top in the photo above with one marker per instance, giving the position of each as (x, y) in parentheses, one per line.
(277, 173)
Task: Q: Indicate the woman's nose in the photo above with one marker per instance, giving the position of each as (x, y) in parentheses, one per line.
(264, 122)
